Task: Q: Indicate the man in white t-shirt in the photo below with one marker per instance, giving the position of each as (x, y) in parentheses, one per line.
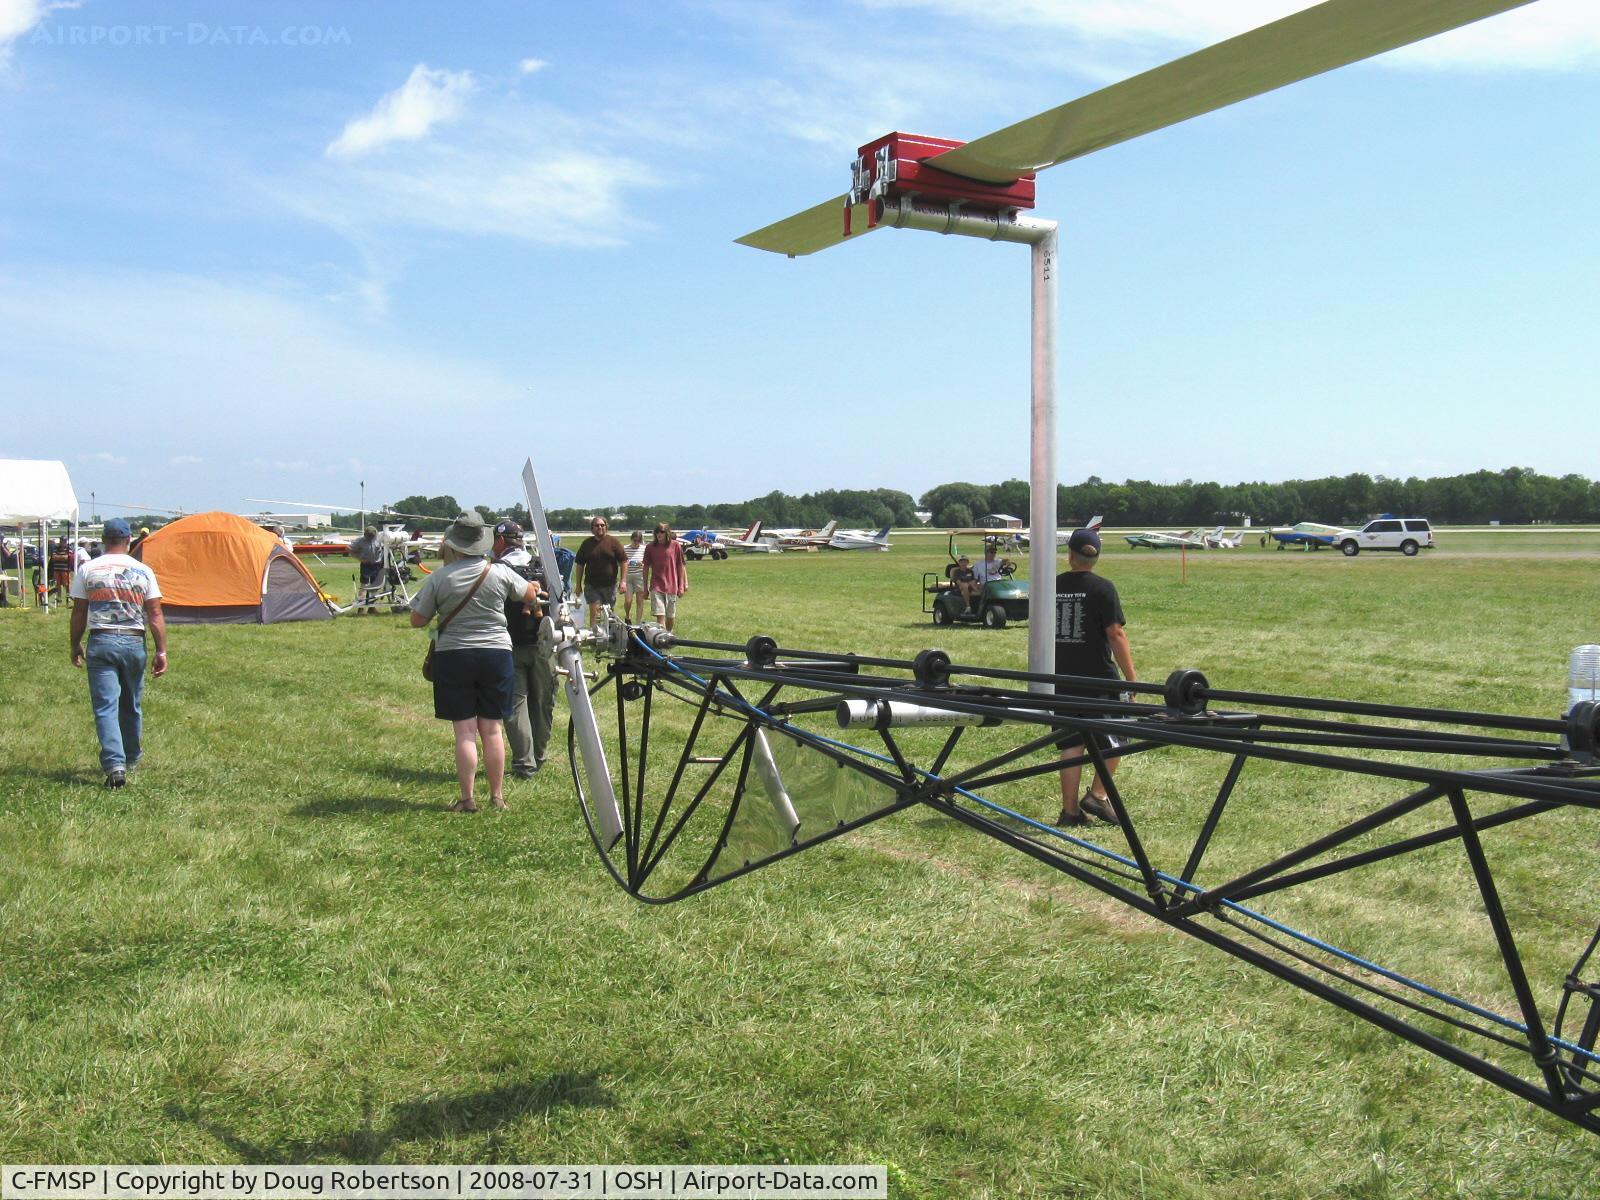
(114, 598)
(989, 567)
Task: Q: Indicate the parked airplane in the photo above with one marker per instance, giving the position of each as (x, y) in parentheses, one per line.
(1308, 535)
(708, 543)
(1062, 535)
(753, 541)
(856, 539)
(805, 539)
(1187, 540)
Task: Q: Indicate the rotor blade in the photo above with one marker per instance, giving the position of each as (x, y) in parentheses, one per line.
(299, 504)
(379, 511)
(546, 545)
(807, 232)
(1306, 43)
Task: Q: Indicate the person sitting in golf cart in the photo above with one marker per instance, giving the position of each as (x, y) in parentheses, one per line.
(965, 580)
(992, 566)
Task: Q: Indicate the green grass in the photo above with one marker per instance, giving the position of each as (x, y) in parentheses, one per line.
(274, 945)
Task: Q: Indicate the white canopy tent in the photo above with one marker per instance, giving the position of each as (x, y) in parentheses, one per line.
(36, 492)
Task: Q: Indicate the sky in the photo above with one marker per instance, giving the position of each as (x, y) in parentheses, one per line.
(286, 250)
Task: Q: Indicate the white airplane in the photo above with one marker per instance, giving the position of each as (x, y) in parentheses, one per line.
(753, 541)
(805, 539)
(1189, 539)
(1062, 535)
(856, 539)
(1218, 540)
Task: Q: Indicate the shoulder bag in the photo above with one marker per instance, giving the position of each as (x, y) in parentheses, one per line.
(427, 659)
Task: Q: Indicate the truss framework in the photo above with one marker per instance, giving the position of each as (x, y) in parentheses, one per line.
(752, 768)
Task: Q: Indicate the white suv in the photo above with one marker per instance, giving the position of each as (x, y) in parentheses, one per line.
(1405, 534)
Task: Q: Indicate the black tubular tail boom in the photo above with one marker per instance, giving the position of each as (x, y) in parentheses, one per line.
(1391, 743)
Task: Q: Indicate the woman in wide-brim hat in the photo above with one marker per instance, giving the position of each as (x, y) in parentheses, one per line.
(472, 669)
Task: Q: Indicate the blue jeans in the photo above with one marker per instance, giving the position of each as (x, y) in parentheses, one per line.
(115, 663)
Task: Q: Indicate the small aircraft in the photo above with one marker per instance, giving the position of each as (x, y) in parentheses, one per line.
(856, 539)
(1308, 535)
(753, 541)
(708, 543)
(805, 539)
(1189, 539)
(1062, 535)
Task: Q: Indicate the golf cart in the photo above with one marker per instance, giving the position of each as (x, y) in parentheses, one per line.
(999, 600)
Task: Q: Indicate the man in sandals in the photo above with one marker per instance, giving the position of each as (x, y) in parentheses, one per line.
(1090, 640)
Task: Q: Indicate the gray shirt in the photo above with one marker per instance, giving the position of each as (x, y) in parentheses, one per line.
(368, 550)
(481, 624)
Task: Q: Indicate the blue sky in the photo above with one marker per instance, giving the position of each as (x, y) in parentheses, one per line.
(298, 246)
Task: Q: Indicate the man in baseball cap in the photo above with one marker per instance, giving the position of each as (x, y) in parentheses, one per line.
(533, 678)
(1090, 641)
(115, 599)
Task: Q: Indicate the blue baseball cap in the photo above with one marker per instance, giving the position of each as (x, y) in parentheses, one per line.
(1085, 542)
(116, 529)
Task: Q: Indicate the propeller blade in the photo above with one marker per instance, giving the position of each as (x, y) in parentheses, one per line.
(807, 232)
(1306, 43)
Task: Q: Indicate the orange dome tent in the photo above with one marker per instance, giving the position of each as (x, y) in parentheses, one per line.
(218, 568)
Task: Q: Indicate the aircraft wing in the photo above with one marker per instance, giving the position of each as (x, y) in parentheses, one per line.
(1307, 43)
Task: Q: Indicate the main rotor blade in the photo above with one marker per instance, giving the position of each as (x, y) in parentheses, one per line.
(1310, 42)
(807, 232)
(377, 512)
(298, 504)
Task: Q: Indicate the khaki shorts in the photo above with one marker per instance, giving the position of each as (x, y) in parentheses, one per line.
(663, 604)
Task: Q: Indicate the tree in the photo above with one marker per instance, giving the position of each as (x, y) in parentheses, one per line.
(969, 496)
(956, 516)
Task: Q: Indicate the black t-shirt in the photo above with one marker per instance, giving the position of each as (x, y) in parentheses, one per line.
(1085, 605)
(524, 627)
(602, 559)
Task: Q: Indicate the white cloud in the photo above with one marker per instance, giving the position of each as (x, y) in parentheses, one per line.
(427, 98)
(17, 17)
(105, 456)
(184, 460)
(512, 168)
(529, 65)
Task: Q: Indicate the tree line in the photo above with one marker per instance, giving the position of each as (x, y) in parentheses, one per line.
(1513, 496)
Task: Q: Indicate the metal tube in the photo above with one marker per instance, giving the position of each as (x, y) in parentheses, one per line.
(1009, 226)
(772, 782)
(1042, 473)
(895, 714)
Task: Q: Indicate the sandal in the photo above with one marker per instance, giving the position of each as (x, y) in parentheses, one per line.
(499, 802)
(1099, 806)
(464, 806)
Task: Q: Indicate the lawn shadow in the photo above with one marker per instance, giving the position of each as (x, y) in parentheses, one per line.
(87, 776)
(419, 1120)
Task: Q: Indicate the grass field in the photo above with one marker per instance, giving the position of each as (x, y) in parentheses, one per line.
(276, 946)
